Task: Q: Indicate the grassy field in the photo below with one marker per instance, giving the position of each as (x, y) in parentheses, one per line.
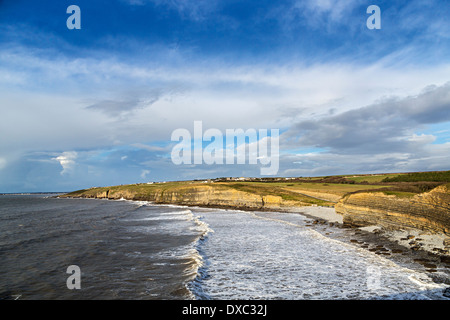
(332, 188)
(373, 178)
(434, 176)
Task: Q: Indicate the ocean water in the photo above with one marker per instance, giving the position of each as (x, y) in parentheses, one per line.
(138, 250)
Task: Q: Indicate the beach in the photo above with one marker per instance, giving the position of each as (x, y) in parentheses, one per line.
(139, 250)
(434, 243)
(423, 247)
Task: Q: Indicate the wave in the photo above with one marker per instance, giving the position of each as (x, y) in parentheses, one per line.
(187, 211)
(172, 215)
(191, 255)
(196, 265)
(140, 203)
(200, 267)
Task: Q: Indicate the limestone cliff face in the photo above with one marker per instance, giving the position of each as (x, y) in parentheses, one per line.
(199, 196)
(428, 211)
(209, 196)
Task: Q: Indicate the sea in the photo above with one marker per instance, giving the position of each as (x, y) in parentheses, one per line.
(137, 250)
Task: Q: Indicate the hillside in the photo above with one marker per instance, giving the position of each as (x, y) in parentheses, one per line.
(416, 200)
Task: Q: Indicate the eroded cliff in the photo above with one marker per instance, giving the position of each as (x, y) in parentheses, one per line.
(392, 210)
(427, 211)
(194, 195)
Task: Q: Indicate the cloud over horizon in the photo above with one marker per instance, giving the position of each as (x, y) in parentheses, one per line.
(388, 126)
(97, 106)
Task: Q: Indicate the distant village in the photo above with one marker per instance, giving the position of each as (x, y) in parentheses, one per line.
(326, 179)
(228, 179)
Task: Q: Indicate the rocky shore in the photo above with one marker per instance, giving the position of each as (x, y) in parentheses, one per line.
(385, 224)
(420, 223)
(428, 211)
(424, 250)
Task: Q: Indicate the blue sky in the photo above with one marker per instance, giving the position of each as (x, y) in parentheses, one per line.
(97, 106)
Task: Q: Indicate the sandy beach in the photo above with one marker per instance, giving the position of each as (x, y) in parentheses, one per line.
(324, 213)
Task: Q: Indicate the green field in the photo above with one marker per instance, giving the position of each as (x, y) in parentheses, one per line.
(434, 176)
(373, 178)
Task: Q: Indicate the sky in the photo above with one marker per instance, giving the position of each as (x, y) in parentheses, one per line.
(97, 106)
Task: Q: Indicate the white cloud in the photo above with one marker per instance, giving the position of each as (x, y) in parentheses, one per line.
(144, 173)
(162, 99)
(2, 163)
(335, 9)
(422, 139)
(323, 14)
(151, 148)
(57, 116)
(67, 161)
(390, 124)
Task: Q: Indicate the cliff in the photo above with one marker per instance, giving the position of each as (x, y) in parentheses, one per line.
(426, 211)
(206, 195)
(391, 209)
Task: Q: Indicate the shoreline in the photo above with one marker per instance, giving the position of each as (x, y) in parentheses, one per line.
(400, 246)
(409, 238)
(434, 244)
(329, 215)
(393, 244)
